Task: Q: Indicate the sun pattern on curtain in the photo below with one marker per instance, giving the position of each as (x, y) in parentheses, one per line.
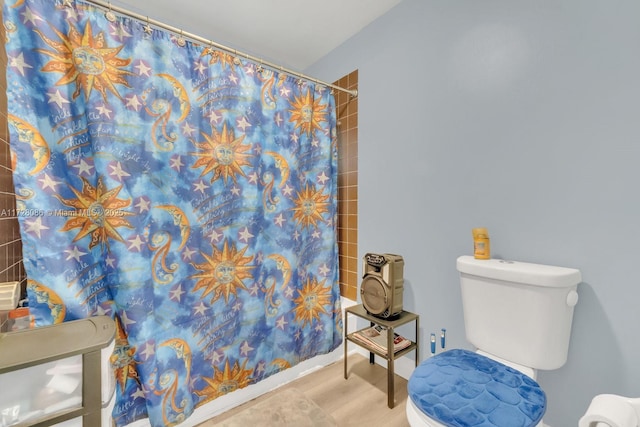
(187, 193)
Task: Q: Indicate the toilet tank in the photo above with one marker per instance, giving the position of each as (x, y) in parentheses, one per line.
(519, 311)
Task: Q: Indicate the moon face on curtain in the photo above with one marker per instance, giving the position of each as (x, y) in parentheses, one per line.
(185, 192)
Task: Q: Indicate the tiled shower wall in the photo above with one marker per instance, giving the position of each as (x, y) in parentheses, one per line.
(347, 112)
(11, 268)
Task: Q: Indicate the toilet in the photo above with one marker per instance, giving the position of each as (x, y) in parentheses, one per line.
(518, 317)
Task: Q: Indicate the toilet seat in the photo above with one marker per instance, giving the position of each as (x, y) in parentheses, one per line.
(458, 388)
(418, 418)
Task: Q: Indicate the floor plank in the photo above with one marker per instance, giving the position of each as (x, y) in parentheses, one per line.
(360, 400)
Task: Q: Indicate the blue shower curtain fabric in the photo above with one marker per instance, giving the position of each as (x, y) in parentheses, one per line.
(187, 193)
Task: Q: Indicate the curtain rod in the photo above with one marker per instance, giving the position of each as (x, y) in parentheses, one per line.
(111, 8)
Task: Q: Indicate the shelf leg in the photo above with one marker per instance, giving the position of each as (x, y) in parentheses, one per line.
(390, 369)
(372, 356)
(346, 342)
(92, 388)
(417, 321)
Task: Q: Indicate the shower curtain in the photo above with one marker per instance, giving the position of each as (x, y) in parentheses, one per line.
(186, 192)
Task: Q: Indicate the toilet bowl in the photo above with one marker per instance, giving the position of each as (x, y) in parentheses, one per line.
(518, 317)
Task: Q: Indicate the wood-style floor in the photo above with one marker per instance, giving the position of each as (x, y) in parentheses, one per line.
(360, 400)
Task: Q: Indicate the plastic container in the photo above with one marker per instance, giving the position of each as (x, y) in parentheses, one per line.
(29, 394)
(481, 243)
(43, 375)
(9, 295)
(19, 319)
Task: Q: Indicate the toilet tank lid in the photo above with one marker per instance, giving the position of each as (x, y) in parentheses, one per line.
(520, 272)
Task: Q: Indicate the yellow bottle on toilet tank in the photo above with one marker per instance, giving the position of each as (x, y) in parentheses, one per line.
(481, 244)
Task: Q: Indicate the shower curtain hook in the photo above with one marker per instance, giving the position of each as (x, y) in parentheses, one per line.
(111, 17)
(67, 3)
(147, 28)
(236, 59)
(181, 41)
(260, 68)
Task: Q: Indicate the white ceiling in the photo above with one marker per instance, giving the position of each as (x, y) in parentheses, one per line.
(291, 33)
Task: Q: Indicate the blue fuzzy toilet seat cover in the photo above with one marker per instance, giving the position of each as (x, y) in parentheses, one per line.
(460, 388)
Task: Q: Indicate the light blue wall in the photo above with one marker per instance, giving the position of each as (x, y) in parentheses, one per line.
(523, 117)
